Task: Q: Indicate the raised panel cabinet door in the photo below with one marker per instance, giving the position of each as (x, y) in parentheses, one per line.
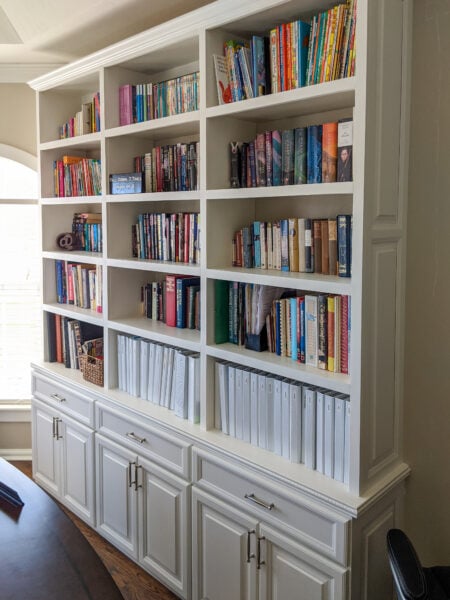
(45, 456)
(116, 498)
(164, 525)
(223, 550)
(77, 468)
(289, 571)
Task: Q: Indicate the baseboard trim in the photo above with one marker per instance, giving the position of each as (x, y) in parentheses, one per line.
(16, 453)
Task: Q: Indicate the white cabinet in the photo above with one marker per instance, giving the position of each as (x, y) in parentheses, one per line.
(235, 555)
(143, 510)
(63, 459)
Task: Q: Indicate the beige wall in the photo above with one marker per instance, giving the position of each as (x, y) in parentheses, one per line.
(18, 129)
(427, 354)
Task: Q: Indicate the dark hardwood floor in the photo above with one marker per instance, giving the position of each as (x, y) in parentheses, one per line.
(133, 582)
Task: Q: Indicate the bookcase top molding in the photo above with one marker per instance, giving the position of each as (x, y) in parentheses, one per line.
(168, 33)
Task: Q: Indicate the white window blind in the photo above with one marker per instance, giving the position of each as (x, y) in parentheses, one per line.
(20, 296)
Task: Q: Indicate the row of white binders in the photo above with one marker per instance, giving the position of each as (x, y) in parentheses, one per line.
(300, 422)
(161, 374)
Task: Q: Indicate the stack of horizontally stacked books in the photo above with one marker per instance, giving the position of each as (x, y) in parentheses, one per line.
(299, 422)
(161, 374)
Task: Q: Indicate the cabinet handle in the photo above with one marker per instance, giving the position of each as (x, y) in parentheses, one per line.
(259, 502)
(130, 482)
(259, 562)
(249, 556)
(54, 427)
(57, 422)
(136, 485)
(58, 398)
(134, 437)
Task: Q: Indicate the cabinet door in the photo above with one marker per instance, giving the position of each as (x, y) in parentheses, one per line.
(163, 526)
(116, 496)
(223, 549)
(45, 456)
(77, 468)
(289, 571)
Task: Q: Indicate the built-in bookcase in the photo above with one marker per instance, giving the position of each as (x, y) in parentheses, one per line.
(375, 198)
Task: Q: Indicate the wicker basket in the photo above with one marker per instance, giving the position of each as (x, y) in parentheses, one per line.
(91, 368)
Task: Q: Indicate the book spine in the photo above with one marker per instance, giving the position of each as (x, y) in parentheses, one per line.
(343, 245)
(300, 155)
(314, 159)
(329, 152)
(323, 332)
(287, 156)
(276, 158)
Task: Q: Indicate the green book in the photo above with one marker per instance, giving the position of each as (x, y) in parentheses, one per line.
(221, 311)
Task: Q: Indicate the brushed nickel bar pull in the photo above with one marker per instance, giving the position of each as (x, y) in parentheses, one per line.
(259, 502)
(57, 422)
(130, 482)
(54, 427)
(134, 437)
(259, 562)
(136, 485)
(58, 398)
(249, 556)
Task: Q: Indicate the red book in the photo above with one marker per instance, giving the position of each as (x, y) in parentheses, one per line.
(59, 349)
(171, 300)
(187, 235)
(329, 152)
(344, 334)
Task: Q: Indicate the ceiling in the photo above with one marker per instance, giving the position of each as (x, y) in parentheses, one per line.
(38, 35)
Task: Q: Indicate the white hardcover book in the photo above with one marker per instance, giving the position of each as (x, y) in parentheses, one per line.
(277, 422)
(320, 415)
(121, 362)
(135, 364)
(347, 442)
(246, 405)
(222, 381)
(232, 400)
(239, 411)
(254, 385)
(285, 419)
(328, 442)
(270, 443)
(217, 399)
(339, 436)
(295, 393)
(144, 369)
(194, 388)
(128, 357)
(309, 417)
(181, 377)
(261, 411)
(311, 330)
(151, 370)
(157, 374)
(170, 369)
(164, 375)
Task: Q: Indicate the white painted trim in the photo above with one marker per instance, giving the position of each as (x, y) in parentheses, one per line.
(23, 72)
(16, 453)
(20, 156)
(15, 413)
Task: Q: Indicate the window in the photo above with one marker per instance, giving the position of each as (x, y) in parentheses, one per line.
(20, 297)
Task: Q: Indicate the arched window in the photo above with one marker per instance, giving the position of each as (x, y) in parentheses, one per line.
(20, 296)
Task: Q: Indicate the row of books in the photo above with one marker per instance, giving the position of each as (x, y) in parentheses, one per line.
(87, 229)
(146, 101)
(299, 422)
(86, 120)
(175, 301)
(77, 176)
(172, 237)
(68, 338)
(161, 374)
(296, 244)
(171, 168)
(79, 284)
(311, 329)
(313, 154)
(292, 55)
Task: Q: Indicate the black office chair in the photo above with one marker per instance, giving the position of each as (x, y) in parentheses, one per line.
(412, 581)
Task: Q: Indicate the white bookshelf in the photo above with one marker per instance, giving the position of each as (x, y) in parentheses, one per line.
(377, 100)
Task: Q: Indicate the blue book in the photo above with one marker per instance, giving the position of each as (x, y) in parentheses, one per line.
(314, 157)
(344, 240)
(287, 157)
(259, 74)
(294, 347)
(302, 52)
(284, 231)
(300, 154)
(302, 339)
(182, 283)
(256, 244)
(276, 157)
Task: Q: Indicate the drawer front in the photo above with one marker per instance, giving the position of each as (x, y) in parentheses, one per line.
(164, 449)
(319, 528)
(65, 399)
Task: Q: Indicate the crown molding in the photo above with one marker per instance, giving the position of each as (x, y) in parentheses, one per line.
(181, 28)
(23, 72)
